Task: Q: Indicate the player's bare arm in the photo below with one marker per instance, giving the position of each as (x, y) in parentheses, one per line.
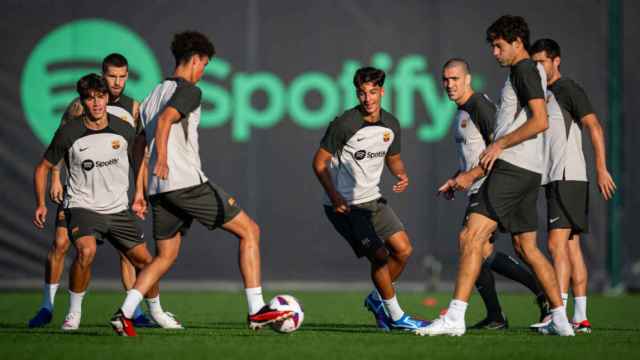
(168, 117)
(321, 169)
(40, 186)
(537, 123)
(56, 190)
(606, 185)
(139, 205)
(396, 167)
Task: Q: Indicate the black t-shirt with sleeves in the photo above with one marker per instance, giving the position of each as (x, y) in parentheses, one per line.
(526, 81)
(572, 98)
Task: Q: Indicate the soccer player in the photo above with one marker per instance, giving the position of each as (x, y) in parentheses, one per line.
(508, 196)
(98, 150)
(568, 194)
(348, 164)
(180, 191)
(474, 127)
(115, 70)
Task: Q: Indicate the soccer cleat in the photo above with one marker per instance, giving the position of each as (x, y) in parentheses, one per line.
(442, 326)
(544, 306)
(143, 321)
(553, 329)
(266, 316)
(492, 324)
(375, 305)
(583, 327)
(71, 321)
(42, 318)
(407, 323)
(544, 322)
(121, 325)
(166, 320)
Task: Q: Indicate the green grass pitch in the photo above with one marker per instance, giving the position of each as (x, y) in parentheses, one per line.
(336, 326)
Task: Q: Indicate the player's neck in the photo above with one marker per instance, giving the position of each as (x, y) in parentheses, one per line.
(554, 78)
(521, 55)
(463, 100)
(371, 118)
(95, 124)
(185, 72)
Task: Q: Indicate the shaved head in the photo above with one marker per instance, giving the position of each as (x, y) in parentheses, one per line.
(454, 62)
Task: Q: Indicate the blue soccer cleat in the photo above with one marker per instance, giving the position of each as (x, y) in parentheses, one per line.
(374, 304)
(42, 318)
(407, 323)
(143, 321)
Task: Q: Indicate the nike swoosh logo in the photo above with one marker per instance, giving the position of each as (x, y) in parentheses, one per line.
(474, 204)
(83, 149)
(551, 221)
(360, 139)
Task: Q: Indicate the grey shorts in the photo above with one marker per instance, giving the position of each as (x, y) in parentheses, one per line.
(568, 205)
(509, 197)
(366, 226)
(120, 229)
(174, 211)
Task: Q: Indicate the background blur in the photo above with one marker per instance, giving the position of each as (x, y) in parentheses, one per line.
(283, 70)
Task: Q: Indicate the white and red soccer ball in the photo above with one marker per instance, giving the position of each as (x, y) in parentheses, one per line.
(287, 303)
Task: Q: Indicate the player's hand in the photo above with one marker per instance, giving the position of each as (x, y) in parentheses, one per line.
(40, 217)
(605, 184)
(161, 170)
(340, 205)
(139, 206)
(402, 184)
(448, 189)
(463, 181)
(56, 191)
(490, 155)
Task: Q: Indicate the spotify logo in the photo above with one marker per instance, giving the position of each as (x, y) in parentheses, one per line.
(71, 51)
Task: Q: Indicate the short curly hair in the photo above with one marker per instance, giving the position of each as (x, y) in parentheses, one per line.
(509, 28)
(549, 46)
(91, 83)
(368, 74)
(189, 43)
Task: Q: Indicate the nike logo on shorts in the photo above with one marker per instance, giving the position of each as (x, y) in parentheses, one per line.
(474, 204)
(83, 149)
(551, 221)
(360, 139)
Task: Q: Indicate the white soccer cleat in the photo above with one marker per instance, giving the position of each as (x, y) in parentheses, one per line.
(561, 330)
(544, 323)
(442, 326)
(166, 320)
(71, 321)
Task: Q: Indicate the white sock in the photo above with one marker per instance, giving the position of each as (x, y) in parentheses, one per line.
(48, 296)
(254, 299)
(565, 297)
(393, 308)
(131, 302)
(559, 316)
(75, 301)
(154, 305)
(456, 311)
(579, 309)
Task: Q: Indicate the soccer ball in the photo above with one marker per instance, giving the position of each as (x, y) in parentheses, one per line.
(284, 303)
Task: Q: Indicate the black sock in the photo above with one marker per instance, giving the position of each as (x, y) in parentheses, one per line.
(511, 268)
(486, 286)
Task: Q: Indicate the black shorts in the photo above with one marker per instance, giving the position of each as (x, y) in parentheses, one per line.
(509, 196)
(472, 203)
(174, 211)
(120, 229)
(366, 226)
(568, 206)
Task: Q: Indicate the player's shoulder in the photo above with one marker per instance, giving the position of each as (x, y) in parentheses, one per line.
(565, 85)
(120, 126)
(348, 117)
(389, 119)
(478, 102)
(524, 67)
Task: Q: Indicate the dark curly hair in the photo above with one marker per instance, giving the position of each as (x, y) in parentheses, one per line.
(89, 83)
(509, 28)
(368, 74)
(549, 46)
(189, 43)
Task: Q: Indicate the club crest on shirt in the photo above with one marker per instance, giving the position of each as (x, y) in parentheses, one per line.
(231, 201)
(463, 123)
(386, 137)
(115, 144)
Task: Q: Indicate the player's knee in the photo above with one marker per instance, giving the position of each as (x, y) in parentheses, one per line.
(404, 252)
(254, 230)
(557, 248)
(470, 242)
(86, 254)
